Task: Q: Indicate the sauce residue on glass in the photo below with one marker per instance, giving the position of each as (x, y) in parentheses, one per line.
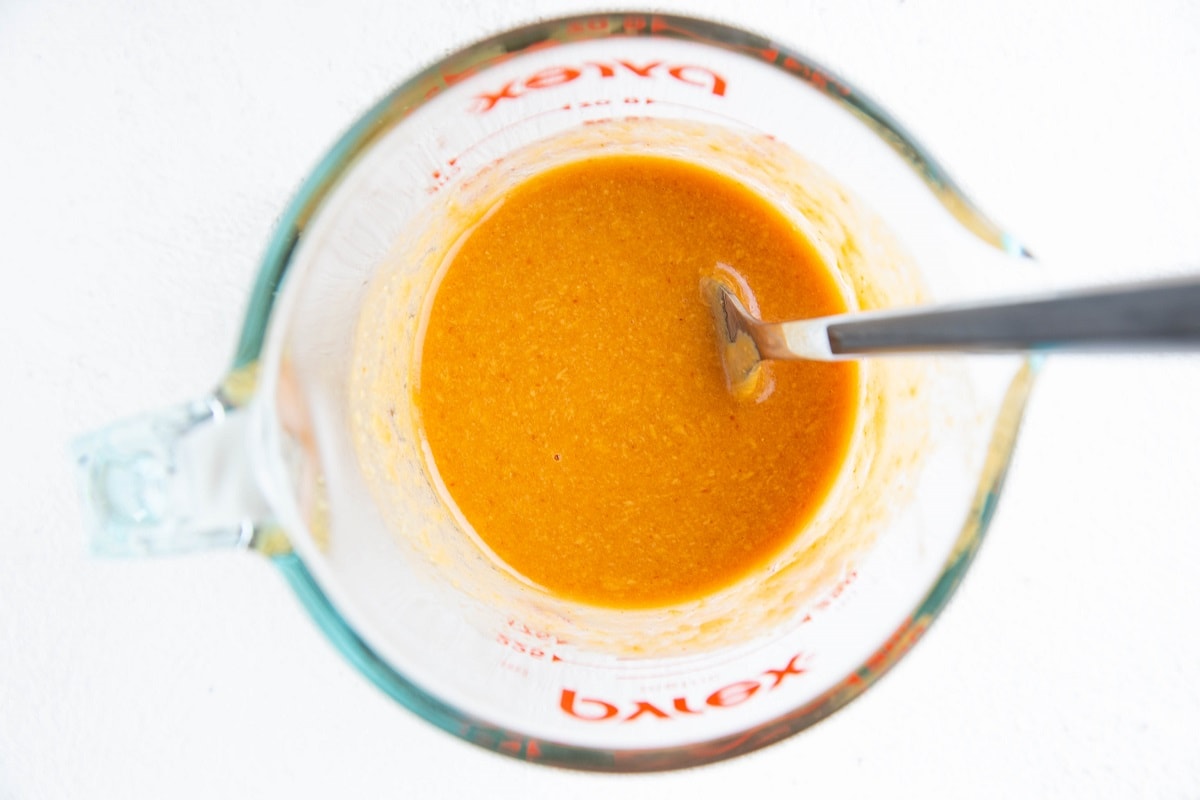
(572, 398)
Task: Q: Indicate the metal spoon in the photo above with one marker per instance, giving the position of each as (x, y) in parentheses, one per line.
(1163, 315)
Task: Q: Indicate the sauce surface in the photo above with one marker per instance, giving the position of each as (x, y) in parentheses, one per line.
(572, 396)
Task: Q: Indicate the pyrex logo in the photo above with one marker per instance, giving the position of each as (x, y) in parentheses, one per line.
(592, 709)
(690, 74)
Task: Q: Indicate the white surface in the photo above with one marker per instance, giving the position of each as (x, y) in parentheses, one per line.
(146, 150)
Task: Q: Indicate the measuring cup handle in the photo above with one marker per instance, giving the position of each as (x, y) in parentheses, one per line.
(175, 481)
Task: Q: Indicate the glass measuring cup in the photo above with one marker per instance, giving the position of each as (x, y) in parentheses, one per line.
(269, 460)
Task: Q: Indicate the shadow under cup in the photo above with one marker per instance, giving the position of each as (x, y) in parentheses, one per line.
(382, 563)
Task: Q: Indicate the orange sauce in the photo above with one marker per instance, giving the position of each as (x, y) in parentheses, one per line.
(572, 396)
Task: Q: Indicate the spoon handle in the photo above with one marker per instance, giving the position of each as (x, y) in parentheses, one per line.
(1162, 315)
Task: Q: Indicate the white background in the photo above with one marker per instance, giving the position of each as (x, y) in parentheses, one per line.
(146, 149)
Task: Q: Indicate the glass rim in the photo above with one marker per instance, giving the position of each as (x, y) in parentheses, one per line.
(428, 83)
